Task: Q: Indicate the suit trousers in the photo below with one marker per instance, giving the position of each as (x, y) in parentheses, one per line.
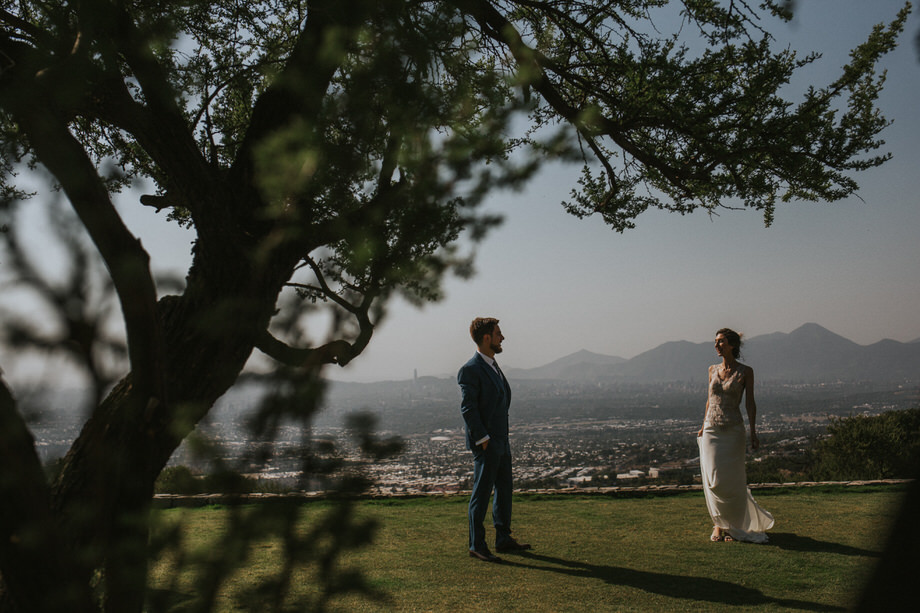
(491, 472)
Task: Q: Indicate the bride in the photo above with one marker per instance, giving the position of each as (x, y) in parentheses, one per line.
(735, 514)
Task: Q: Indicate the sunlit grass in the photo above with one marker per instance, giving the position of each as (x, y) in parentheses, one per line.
(590, 553)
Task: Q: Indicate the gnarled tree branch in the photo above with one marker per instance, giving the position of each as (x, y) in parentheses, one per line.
(126, 259)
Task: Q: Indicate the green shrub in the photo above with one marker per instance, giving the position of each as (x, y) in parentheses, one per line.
(885, 446)
(787, 468)
(228, 482)
(177, 480)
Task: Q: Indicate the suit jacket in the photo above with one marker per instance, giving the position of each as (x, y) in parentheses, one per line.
(485, 398)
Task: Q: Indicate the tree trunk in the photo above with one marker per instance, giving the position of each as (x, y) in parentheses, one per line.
(103, 494)
(36, 578)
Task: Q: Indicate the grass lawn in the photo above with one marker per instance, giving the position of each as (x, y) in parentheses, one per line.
(591, 553)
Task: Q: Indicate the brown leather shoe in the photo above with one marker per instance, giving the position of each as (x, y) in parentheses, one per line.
(485, 555)
(511, 546)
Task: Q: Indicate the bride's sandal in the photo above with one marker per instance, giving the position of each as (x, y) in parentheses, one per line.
(716, 536)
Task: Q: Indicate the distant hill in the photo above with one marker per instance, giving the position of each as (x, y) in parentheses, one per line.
(581, 365)
(665, 382)
(810, 353)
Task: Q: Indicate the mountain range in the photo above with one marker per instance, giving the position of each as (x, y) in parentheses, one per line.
(810, 353)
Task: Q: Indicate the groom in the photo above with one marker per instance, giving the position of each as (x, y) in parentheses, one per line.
(484, 401)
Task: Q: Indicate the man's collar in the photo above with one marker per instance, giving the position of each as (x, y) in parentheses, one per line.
(489, 361)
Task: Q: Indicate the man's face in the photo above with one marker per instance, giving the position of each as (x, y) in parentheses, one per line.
(495, 339)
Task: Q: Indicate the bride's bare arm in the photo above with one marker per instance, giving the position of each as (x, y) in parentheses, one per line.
(706, 410)
(751, 405)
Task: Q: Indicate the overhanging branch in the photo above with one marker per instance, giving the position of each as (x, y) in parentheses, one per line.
(498, 27)
(300, 87)
(125, 257)
(339, 352)
(335, 352)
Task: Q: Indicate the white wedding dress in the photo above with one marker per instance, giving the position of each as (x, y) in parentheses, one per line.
(722, 457)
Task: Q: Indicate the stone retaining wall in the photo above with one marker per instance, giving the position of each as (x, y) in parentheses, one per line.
(168, 501)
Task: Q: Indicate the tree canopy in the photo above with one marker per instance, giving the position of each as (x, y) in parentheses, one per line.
(328, 155)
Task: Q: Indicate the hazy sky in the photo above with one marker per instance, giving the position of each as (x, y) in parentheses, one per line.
(559, 284)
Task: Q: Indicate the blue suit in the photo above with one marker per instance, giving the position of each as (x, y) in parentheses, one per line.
(485, 398)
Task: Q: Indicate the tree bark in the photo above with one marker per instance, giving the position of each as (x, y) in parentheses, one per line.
(106, 484)
(35, 576)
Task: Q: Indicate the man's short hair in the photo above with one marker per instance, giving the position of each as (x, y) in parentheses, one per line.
(482, 326)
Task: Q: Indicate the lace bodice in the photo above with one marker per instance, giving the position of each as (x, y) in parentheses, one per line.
(724, 408)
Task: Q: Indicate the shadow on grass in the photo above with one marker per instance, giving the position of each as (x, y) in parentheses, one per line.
(795, 542)
(673, 586)
(160, 600)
